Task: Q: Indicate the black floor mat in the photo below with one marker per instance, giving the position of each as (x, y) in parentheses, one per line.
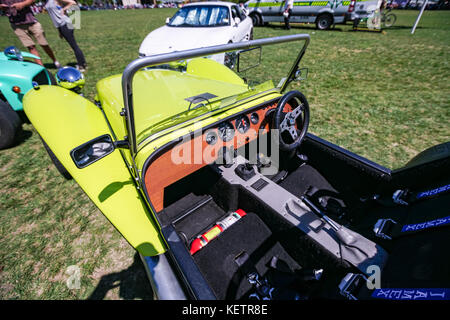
(217, 259)
(298, 181)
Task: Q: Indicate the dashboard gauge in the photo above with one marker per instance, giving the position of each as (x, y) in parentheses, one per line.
(254, 118)
(226, 131)
(242, 124)
(211, 138)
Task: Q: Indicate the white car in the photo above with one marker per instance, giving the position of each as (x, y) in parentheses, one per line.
(200, 24)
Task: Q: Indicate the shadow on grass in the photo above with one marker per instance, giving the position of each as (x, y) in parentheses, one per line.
(21, 137)
(24, 136)
(50, 66)
(132, 282)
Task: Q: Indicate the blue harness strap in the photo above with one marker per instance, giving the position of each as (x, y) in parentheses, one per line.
(412, 294)
(425, 225)
(433, 192)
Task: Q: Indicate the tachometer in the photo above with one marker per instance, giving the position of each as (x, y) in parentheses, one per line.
(242, 124)
(226, 131)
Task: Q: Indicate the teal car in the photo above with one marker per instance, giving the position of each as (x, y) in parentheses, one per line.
(17, 77)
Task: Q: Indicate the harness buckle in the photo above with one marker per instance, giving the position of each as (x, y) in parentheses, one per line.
(381, 228)
(400, 196)
(351, 283)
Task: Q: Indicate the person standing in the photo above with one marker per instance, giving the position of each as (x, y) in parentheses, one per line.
(26, 26)
(289, 4)
(57, 12)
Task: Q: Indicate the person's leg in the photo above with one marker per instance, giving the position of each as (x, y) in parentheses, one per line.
(24, 36)
(38, 32)
(32, 49)
(68, 34)
(288, 18)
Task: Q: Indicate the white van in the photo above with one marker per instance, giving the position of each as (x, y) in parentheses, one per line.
(323, 13)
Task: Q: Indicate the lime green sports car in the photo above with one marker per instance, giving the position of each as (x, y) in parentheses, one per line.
(208, 171)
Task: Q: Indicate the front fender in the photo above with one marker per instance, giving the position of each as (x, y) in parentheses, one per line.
(65, 121)
(17, 73)
(30, 55)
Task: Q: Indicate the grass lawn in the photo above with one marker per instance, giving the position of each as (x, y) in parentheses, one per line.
(384, 96)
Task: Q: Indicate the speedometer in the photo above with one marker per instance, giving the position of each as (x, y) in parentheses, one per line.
(226, 131)
(242, 124)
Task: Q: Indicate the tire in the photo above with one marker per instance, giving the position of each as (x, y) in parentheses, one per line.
(62, 170)
(256, 19)
(10, 125)
(389, 20)
(324, 21)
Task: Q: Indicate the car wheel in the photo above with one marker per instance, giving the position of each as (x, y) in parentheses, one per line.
(10, 125)
(324, 21)
(256, 19)
(389, 20)
(62, 170)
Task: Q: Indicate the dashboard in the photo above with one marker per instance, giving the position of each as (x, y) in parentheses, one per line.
(191, 155)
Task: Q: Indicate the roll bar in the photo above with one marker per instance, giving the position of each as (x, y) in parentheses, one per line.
(136, 65)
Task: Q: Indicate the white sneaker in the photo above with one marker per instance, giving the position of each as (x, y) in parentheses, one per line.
(57, 64)
(80, 68)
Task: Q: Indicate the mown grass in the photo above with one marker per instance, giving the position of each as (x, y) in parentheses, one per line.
(384, 96)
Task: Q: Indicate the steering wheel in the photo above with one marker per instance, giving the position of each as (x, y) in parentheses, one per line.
(292, 125)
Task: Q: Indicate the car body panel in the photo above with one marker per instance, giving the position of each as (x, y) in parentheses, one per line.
(21, 74)
(107, 182)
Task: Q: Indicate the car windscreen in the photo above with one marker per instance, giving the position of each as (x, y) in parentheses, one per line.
(201, 16)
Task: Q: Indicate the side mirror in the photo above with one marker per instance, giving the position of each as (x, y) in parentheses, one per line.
(237, 21)
(92, 151)
(301, 74)
(167, 20)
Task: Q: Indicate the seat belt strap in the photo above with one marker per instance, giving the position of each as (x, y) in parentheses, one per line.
(412, 294)
(405, 197)
(389, 229)
(354, 286)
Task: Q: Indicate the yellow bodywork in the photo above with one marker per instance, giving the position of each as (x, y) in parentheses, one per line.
(65, 121)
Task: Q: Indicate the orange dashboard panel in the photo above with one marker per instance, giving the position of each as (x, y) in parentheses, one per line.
(200, 150)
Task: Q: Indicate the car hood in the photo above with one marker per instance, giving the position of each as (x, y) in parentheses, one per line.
(18, 69)
(168, 39)
(158, 95)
